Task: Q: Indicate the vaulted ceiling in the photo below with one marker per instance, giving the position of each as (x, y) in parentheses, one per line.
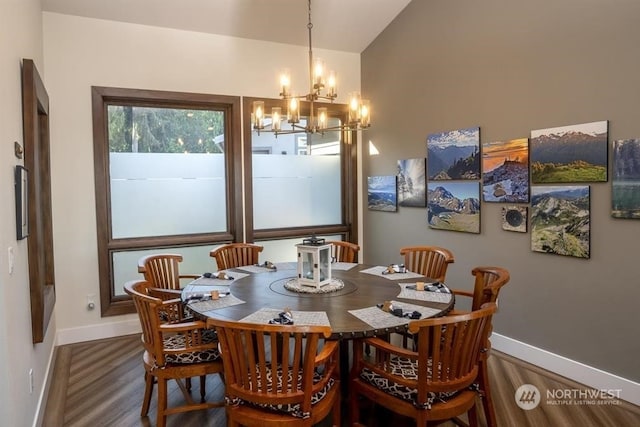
(345, 25)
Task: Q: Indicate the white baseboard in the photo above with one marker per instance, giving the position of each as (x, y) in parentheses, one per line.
(576, 371)
(97, 332)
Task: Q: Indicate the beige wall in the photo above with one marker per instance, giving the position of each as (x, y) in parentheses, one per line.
(510, 67)
(20, 37)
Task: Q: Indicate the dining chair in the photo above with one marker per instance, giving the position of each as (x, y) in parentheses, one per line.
(487, 284)
(236, 255)
(433, 383)
(162, 270)
(174, 350)
(342, 251)
(278, 375)
(430, 261)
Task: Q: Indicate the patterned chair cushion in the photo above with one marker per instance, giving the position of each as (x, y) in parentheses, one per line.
(408, 369)
(291, 409)
(177, 341)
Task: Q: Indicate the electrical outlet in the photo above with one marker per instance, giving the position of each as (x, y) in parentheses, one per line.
(12, 258)
(30, 381)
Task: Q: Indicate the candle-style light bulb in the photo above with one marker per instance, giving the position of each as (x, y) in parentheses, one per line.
(258, 114)
(285, 83)
(276, 115)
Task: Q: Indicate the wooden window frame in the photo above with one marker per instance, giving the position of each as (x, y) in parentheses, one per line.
(110, 303)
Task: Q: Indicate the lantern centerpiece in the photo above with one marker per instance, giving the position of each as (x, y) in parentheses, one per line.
(314, 262)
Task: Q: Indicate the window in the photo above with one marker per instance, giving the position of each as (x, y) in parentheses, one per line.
(304, 184)
(166, 173)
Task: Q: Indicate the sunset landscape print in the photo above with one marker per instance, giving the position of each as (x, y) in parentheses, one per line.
(505, 167)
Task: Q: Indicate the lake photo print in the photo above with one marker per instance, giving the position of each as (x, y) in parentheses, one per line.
(381, 193)
(625, 195)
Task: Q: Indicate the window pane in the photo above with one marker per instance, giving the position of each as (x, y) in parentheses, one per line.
(296, 180)
(284, 250)
(162, 163)
(196, 260)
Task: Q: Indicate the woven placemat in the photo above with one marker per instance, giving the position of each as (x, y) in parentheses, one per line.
(377, 271)
(426, 295)
(379, 319)
(214, 304)
(307, 318)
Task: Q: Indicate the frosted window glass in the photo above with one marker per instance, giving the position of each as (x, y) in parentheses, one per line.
(163, 194)
(284, 250)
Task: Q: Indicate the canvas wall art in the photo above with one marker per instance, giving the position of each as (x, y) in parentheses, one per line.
(576, 153)
(381, 193)
(625, 193)
(412, 183)
(514, 218)
(561, 220)
(505, 171)
(454, 206)
(454, 154)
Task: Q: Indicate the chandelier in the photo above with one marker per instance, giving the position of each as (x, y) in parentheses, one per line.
(321, 87)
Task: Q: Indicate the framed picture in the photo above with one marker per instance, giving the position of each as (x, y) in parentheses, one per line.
(505, 171)
(454, 206)
(412, 183)
(454, 154)
(22, 203)
(576, 153)
(625, 193)
(514, 218)
(561, 220)
(382, 193)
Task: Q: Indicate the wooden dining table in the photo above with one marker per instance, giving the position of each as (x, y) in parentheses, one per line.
(266, 290)
(361, 290)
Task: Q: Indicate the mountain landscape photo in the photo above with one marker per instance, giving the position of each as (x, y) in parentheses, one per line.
(560, 220)
(575, 153)
(454, 154)
(454, 206)
(505, 167)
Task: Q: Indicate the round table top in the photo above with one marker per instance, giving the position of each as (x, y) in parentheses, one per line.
(361, 290)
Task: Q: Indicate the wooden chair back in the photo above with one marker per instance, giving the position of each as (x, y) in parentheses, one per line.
(430, 261)
(162, 270)
(236, 255)
(487, 285)
(446, 361)
(344, 251)
(255, 356)
(157, 315)
(163, 320)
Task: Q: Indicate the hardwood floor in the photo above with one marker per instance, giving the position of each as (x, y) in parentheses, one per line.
(100, 383)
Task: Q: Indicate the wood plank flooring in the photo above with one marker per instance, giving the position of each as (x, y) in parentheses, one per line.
(100, 383)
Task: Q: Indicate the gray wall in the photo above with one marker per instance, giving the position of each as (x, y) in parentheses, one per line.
(510, 67)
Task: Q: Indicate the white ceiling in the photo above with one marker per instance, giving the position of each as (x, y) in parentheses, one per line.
(345, 25)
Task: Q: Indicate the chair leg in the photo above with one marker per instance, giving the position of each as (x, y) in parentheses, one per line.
(487, 401)
(148, 392)
(355, 407)
(336, 415)
(187, 382)
(473, 416)
(203, 387)
(162, 402)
